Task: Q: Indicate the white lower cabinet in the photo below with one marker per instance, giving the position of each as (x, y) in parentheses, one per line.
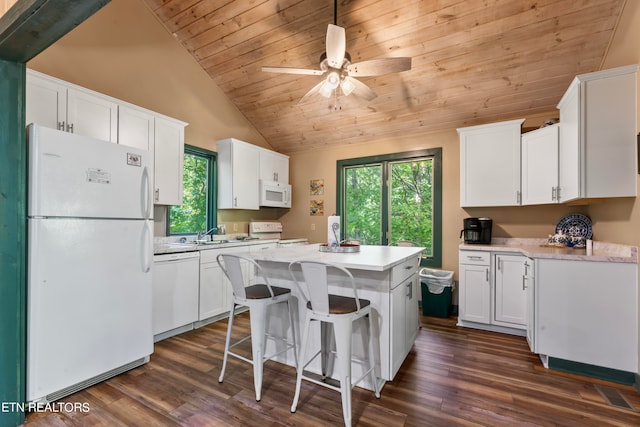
(530, 289)
(587, 312)
(491, 292)
(474, 293)
(404, 315)
(510, 297)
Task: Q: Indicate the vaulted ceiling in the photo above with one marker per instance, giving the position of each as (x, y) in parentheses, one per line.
(473, 61)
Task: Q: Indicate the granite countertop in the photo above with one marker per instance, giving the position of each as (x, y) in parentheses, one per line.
(168, 245)
(537, 248)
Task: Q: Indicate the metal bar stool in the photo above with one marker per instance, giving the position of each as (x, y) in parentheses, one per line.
(258, 298)
(341, 312)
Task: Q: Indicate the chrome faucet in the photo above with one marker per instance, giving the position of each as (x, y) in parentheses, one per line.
(202, 234)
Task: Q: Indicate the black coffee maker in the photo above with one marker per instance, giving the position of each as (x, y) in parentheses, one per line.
(477, 230)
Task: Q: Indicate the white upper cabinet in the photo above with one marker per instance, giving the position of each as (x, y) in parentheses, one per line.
(490, 164)
(136, 127)
(274, 166)
(597, 153)
(169, 158)
(238, 166)
(540, 166)
(46, 101)
(92, 115)
(61, 106)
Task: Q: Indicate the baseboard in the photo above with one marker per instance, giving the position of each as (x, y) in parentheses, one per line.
(599, 372)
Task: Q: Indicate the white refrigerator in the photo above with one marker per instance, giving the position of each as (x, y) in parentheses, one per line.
(90, 251)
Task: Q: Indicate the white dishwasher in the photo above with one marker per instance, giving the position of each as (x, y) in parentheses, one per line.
(175, 293)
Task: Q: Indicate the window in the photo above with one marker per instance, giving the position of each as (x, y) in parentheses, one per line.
(198, 210)
(385, 199)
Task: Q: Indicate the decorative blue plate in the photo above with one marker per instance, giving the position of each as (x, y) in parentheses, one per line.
(575, 225)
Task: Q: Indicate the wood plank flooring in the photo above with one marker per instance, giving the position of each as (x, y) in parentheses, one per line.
(452, 377)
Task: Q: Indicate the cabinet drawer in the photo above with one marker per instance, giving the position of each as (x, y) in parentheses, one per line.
(402, 271)
(475, 257)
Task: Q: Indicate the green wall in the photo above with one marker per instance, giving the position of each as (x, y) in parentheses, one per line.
(12, 239)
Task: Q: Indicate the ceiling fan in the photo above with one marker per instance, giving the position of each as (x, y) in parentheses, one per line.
(340, 72)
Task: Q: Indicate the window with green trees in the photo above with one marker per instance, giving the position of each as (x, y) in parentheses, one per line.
(385, 199)
(198, 210)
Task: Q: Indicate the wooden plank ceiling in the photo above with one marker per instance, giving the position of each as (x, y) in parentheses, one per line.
(473, 61)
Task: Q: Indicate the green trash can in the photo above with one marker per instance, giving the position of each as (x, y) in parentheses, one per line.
(437, 286)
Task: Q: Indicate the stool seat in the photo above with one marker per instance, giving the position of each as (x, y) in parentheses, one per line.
(258, 298)
(343, 305)
(262, 291)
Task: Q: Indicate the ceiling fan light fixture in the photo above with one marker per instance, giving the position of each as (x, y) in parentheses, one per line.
(347, 87)
(330, 84)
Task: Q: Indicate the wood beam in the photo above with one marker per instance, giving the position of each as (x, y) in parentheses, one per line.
(30, 26)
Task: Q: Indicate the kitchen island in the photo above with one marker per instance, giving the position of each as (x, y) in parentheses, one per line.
(387, 276)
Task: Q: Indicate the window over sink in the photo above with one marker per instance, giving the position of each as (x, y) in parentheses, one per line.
(198, 210)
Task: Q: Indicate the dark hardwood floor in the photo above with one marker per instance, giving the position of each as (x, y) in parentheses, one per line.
(453, 376)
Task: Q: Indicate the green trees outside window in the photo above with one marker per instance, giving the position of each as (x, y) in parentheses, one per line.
(385, 199)
(197, 212)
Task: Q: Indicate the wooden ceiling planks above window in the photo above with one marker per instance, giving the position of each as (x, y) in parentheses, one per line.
(473, 61)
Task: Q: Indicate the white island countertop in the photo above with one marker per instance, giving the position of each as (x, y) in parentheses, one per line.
(373, 258)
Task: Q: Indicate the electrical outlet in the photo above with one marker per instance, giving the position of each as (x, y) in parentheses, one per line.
(235, 227)
(313, 227)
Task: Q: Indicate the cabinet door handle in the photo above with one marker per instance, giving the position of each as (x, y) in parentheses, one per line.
(558, 193)
(486, 274)
(553, 193)
(410, 290)
(524, 280)
(61, 125)
(474, 257)
(70, 128)
(518, 197)
(235, 202)
(156, 195)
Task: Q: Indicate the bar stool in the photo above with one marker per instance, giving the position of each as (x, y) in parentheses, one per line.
(340, 312)
(258, 298)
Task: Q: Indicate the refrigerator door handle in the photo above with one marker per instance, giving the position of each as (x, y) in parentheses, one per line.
(145, 194)
(146, 248)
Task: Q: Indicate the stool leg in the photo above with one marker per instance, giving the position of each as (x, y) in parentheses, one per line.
(372, 359)
(258, 318)
(342, 333)
(325, 346)
(303, 350)
(227, 341)
(293, 331)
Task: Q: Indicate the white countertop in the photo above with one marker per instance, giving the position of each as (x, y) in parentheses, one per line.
(537, 248)
(375, 258)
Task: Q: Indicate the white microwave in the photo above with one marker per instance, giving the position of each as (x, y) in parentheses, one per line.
(275, 194)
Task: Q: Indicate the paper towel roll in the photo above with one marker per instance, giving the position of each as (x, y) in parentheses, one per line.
(333, 231)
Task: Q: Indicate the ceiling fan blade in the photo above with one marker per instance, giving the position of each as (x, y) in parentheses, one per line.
(360, 89)
(287, 70)
(376, 67)
(336, 46)
(314, 90)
